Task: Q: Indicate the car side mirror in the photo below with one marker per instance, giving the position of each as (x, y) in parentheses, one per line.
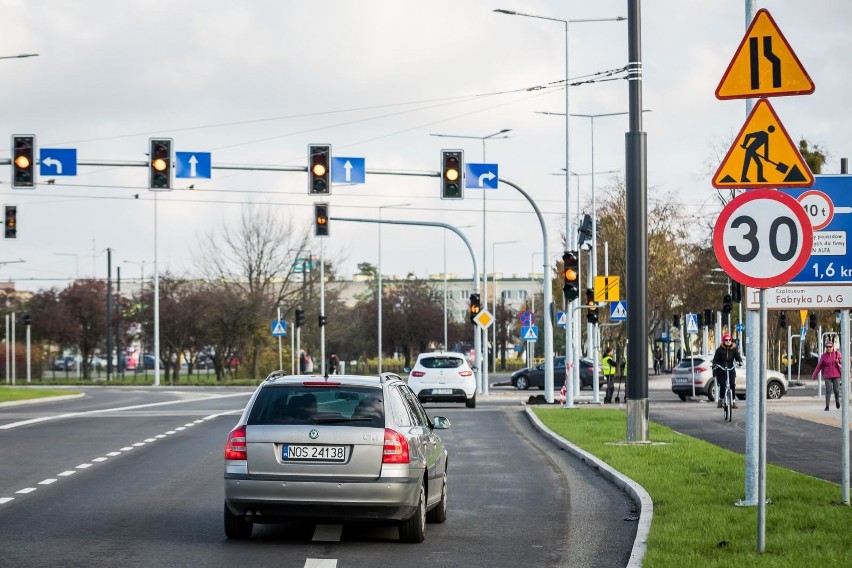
(440, 423)
(406, 369)
(474, 368)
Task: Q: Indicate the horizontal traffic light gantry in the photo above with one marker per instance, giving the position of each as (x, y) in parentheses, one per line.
(475, 307)
(319, 169)
(320, 219)
(160, 164)
(452, 166)
(570, 269)
(23, 161)
(10, 222)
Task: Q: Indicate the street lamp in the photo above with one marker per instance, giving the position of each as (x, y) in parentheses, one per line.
(496, 299)
(569, 324)
(494, 135)
(379, 271)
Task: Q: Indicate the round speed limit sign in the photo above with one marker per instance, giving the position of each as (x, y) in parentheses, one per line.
(763, 238)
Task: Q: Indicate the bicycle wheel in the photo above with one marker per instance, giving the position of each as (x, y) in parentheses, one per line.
(729, 405)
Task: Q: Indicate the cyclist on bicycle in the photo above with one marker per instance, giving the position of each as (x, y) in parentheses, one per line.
(723, 365)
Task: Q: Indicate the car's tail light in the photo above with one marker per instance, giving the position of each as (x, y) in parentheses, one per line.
(235, 449)
(700, 369)
(465, 373)
(417, 373)
(396, 447)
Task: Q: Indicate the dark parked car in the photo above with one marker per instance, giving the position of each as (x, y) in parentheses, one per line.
(534, 376)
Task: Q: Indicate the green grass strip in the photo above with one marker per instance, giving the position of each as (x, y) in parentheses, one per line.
(10, 394)
(694, 486)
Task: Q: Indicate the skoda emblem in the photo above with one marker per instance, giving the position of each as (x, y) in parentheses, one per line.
(314, 434)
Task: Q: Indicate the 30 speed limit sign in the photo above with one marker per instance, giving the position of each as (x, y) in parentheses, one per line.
(763, 238)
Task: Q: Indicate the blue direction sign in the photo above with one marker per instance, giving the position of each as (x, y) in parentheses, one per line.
(57, 162)
(529, 332)
(193, 165)
(617, 311)
(560, 319)
(279, 328)
(348, 170)
(828, 205)
(480, 176)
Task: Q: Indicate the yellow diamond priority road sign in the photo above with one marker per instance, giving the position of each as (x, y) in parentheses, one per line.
(763, 155)
(484, 319)
(764, 65)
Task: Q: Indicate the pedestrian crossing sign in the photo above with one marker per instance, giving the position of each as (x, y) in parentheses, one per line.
(529, 332)
(279, 328)
(763, 155)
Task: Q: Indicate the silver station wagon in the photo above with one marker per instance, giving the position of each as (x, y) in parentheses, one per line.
(335, 449)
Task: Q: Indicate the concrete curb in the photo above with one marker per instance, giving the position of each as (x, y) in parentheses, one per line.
(42, 399)
(636, 491)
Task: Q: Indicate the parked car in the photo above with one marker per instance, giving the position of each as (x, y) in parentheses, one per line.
(443, 376)
(705, 383)
(534, 376)
(67, 363)
(349, 448)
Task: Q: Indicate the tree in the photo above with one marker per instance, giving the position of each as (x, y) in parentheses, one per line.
(814, 157)
(85, 301)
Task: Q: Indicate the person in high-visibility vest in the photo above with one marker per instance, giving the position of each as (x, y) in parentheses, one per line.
(609, 369)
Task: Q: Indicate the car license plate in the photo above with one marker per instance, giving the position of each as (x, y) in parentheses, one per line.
(298, 452)
(442, 391)
(682, 380)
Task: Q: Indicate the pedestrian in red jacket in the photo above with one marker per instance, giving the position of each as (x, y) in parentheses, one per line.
(829, 364)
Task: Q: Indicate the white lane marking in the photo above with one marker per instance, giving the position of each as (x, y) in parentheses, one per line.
(149, 440)
(327, 533)
(83, 466)
(320, 563)
(119, 409)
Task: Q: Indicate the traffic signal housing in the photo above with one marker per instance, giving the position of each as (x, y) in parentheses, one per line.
(320, 219)
(676, 320)
(300, 317)
(812, 320)
(23, 162)
(160, 164)
(584, 233)
(319, 169)
(708, 318)
(475, 307)
(452, 164)
(570, 268)
(10, 222)
(782, 320)
(26, 319)
(726, 304)
(592, 312)
(322, 320)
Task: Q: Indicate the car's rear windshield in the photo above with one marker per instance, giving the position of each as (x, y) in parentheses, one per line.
(687, 363)
(301, 404)
(441, 362)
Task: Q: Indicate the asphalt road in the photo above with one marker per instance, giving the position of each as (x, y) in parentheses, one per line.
(133, 477)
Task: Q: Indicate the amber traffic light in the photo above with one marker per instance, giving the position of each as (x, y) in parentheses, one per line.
(321, 219)
(23, 161)
(319, 169)
(570, 271)
(160, 164)
(452, 164)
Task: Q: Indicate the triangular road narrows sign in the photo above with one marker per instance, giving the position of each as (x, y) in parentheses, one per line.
(763, 155)
(764, 65)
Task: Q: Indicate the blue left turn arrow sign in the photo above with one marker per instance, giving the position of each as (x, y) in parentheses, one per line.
(58, 162)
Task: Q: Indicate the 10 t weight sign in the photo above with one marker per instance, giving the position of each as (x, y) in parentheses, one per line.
(763, 238)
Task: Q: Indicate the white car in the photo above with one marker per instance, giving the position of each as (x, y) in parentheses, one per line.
(443, 376)
(705, 383)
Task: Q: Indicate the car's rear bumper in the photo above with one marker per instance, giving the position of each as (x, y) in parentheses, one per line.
(686, 388)
(267, 501)
(458, 395)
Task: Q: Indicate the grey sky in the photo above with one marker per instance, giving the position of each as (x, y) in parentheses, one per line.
(256, 82)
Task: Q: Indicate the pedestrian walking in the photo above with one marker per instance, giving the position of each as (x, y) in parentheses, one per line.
(333, 364)
(829, 364)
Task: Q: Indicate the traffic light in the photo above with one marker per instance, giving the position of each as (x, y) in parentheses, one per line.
(160, 164)
(25, 319)
(676, 320)
(592, 312)
(319, 169)
(726, 304)
(812, 320)
(452, 163)
(569, 273)
(320, 219)
(23, 161)
(474, 307)
(782, 320)
(708, 317)
(322, 320)
(736, 291)
(300, 317)
(584, 234)
(10, 222)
